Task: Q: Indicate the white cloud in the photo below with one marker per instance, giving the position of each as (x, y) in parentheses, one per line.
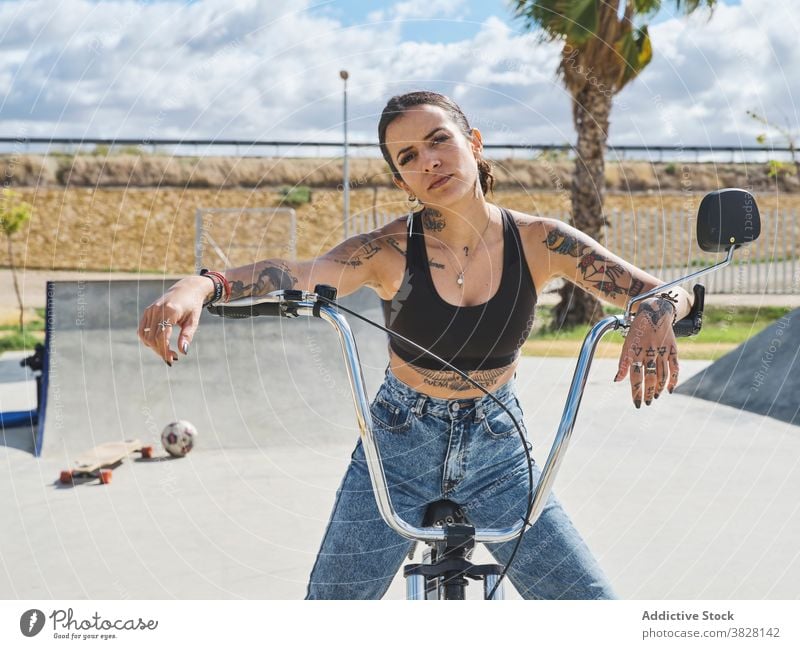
(707, 74)
(250, 69)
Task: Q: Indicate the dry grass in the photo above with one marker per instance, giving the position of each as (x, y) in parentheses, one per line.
(250, 172)
(137, 213)
(152, 230)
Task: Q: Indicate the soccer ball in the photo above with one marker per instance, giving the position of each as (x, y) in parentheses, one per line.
(178, 437)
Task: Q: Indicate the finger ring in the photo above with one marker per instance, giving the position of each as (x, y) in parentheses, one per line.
(164, 324)
(146, 329)
(650, 370)
(637, 365)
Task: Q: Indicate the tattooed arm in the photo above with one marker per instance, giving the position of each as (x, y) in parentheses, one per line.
(649, 352)
(580, 259)
(348, 266)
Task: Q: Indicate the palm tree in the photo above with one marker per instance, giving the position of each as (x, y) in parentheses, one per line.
(605, 46)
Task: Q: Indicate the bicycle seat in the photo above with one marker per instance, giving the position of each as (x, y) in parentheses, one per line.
(443, 512)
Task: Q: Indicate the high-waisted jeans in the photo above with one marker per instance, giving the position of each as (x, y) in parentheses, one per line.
(467, 451)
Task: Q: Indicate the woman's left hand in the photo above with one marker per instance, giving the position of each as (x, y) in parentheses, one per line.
(650, 352)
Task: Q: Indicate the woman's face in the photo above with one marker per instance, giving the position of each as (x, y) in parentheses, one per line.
(436, 161)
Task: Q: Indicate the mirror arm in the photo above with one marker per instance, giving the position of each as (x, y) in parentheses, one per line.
(626, 318)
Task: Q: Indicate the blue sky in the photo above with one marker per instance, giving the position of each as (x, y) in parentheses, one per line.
(465, 24)
(251, 69)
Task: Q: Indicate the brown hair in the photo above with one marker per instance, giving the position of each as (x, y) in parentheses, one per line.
(399, 104)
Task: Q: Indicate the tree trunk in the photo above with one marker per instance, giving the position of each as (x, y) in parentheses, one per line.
(590, 113)
(14, 276)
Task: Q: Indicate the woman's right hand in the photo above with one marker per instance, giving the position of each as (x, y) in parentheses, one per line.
(179, 307)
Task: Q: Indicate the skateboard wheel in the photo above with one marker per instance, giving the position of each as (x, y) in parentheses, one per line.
(147, 452)
(66, 477)
(105, 476)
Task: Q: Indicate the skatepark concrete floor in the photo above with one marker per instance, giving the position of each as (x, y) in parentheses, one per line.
(685, 499)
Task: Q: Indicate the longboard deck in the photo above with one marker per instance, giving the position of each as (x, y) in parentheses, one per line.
(91, 463)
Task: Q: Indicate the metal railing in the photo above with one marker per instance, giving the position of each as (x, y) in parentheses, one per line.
(277, 148)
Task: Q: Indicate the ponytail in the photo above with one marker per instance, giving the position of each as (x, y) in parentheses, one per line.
(485, 176)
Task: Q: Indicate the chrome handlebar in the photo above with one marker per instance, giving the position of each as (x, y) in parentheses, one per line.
(295, 303)
(740, 225)
(302, 303)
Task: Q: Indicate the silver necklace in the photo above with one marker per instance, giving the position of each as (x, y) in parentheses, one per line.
(460, 276)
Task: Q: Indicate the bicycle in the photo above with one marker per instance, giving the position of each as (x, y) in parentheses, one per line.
(727, 219)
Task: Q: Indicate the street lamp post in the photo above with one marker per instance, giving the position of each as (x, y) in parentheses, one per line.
(346, 170)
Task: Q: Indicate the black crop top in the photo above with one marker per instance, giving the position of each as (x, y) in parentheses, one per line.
(483, 336)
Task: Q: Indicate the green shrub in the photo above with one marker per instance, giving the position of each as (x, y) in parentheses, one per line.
(553, 155)
(25, 341)
(294, 196)
(104, 150)
(776, 168)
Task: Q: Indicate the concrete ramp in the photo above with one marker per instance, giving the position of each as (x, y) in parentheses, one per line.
(103, 385)
(762, 375)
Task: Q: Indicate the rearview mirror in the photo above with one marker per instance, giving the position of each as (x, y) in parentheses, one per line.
(727, 218)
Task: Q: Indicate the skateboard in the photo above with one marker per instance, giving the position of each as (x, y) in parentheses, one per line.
(101, 460)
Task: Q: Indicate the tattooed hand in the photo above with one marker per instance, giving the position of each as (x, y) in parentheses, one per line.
(650, 352)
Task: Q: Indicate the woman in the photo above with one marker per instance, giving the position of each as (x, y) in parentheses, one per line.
(459, 277)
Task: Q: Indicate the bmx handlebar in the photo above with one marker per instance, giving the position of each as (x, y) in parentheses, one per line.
(295, 303)
(247, 311)
(740, 225)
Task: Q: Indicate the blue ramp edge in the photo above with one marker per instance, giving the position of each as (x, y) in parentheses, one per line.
(48, 335)
(18, 418)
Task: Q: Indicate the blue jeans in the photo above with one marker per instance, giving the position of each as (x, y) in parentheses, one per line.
(464, 450)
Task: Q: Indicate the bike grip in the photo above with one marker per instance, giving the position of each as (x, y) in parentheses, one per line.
(265, 308)
(683, 328)
(692, 323)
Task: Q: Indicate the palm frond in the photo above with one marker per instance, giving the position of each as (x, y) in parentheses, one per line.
(615, 46)
(689, 6)
(646, 8)
(572, 20)
(636, 51)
